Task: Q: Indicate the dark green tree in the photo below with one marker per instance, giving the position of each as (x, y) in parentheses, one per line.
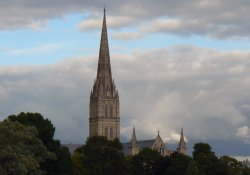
(144, 162)
(161, 165)
(62, 165)
(234, 166)
(179, 164)
(45, 128)
(79, 161)
(21, 151)
(206, 160)
(100, 156)
(192, 169)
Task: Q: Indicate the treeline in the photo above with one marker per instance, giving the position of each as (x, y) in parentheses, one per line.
(28, 147)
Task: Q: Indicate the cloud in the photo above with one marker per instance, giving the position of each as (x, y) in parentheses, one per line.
(183, 87)
(127, 35)
(47, 48)
(113, 22)
(244, 132)
(220, 19)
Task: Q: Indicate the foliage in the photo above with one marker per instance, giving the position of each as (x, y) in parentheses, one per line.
(79, 160)
(21, 150)
(144, 162)
(161, 165)
(234, 166)
(192, 169)
(100, 156)
(45, 128)
(179, 164)
(62, 165)
(206, 160)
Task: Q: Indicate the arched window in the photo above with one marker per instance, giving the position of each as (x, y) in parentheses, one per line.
(106, 111)
(106, 132)
(111, 133)
(111, 111)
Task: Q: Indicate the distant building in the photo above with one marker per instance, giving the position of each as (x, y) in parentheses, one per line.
(132, 148)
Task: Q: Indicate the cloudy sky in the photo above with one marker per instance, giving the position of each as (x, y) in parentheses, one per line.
(177, 64)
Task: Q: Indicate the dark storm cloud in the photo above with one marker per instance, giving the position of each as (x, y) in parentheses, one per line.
(202, 90)
(219, 19)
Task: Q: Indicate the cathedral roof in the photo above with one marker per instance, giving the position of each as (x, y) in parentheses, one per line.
(142, 144)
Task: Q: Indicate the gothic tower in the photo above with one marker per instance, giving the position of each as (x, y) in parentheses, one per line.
(134, 147)
(182, 144)
(104, 118)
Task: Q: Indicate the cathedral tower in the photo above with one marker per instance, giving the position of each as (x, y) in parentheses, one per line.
(104, 115)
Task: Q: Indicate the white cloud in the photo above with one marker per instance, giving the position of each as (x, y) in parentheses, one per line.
(127, 35)
(219, 19)
(47, 48)
(243, 131)
(183, 87)
(112, 22)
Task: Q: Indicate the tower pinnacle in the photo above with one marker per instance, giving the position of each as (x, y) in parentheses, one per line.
(182, 145)
(134, 147)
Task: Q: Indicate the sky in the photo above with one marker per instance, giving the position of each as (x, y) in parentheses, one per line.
(176, 64)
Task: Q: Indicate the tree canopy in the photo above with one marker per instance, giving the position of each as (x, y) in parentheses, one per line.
(21, 151)
(62, 164)
(100, 156)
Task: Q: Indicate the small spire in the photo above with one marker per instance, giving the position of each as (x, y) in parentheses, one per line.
(158, 132)
(182, 144)
(133, 140)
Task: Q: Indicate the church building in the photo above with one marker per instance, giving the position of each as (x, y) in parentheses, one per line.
(104, 112)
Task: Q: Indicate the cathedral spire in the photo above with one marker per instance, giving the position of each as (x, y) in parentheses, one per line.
(133, 140)
(104, 67)
(182, 145)
(134, 147)
(182, 141)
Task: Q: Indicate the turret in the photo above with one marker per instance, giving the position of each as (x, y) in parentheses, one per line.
(182, 149)
(134, 147)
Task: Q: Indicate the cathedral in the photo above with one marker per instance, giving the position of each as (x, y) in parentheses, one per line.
(104, 113)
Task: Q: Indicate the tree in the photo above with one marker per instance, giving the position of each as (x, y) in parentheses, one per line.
(45, 128)
(21, 150)
(192, 169)
(62, 165)
(100, 156)
(234, 166)
(179, 164)
(207, 161)
(143, 163)
(161, 165)
(202, 148)
(79, 160)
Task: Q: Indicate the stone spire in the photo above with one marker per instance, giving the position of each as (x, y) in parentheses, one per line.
(104, 112)
(133, 140)
(104, 67)
(134, 147)
(182, 144)
(104, 85)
